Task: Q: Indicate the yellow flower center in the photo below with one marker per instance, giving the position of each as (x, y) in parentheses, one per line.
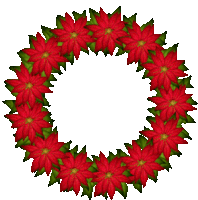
(141, 162)
(164, 69)
(173, 102)
(45, 151)
(141, 43)
(108, 175)
(29, 120)
(45, 55)
(108, 30)
(74, 171)
(29, 85)
(164, 136)
(73, 35)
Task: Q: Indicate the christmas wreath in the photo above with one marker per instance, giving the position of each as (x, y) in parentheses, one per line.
(146, 155)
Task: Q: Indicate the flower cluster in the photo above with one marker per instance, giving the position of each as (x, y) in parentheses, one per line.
(103, 32)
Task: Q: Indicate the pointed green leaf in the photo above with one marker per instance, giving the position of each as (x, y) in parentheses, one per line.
(151, 22)
(11, 105)
(23, 142)
(58, 21)
(53, 178)
(23, 56)
(173, 48)
(27, 153)
(92, 17)
(77, 15)
(191, 101)
(38, 173)
(70, 57)
(88, 190)
(74, 151)
(129, 20)
(31, 37)
(183, 67)
(138, 186)
(161, 39)
(185, 81)
(47, 33)
(124, 190)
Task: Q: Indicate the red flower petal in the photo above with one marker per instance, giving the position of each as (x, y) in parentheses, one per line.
(69, 20)
(35, 164)
(101, 22)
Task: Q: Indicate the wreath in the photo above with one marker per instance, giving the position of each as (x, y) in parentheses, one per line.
(146, 155)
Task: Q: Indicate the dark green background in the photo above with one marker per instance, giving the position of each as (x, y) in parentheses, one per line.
(100, 101)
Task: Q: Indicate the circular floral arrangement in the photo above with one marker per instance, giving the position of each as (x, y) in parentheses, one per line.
(148, 154)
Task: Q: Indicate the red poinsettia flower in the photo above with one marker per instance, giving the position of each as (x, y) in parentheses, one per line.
(45, 55)
(165, 137)
(28, 121)
(141, 163)
(73, 36)
(28, 87)
(173, 102)
(74, 172)
(109, 176)
(45, 152)
(140, 42)
(164, 70)
(107, 31)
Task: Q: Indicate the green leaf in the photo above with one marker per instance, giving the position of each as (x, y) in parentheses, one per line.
(127, 145)
(184, 134)
(77, 15)
(142, 141)
(191, 101)
(129, 20)
(23, 56)
(14, 68)
(53, 178)
(92, 17)
(83, 150)
(44, 102)
(88, 190)
(121, 51)
(118, 10)
(92, 46)
(124, 190)
(85, 50)
(22, 142)
(70, 57)
(185, 81)
(163, 162)
(10, 88)
(138, 186)
(183, 67)
(139, 68)
(74, 151)
(161, 39)
(27, 153)
(38, 173)
(154, 178)
(11, 105)
(151, 22)
(111, 156)
(58, 22)
(173, 48)
(153, 111)
(47, 33)
(30, 41)
(190, 119)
